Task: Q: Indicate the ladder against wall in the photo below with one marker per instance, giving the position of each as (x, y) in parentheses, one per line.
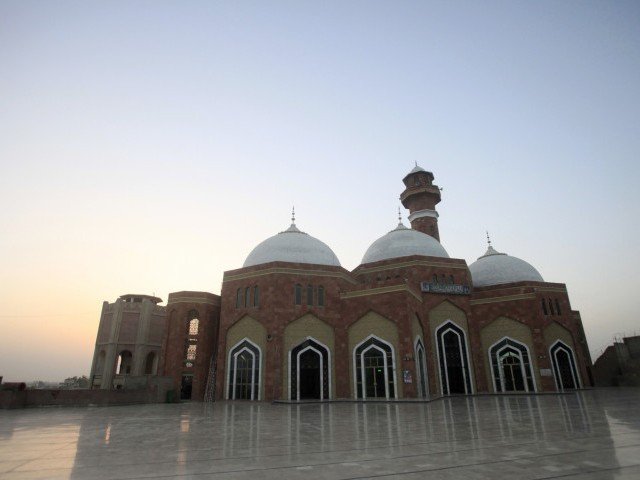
(209, 393)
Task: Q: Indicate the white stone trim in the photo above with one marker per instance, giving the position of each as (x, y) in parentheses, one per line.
(554, 363)
(423, 213)
(522, 367)
(419, 343)
(329, 377)
(386, 373)
(254, 395)
(439, 332)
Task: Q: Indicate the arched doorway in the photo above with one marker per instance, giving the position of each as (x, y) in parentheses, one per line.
(124, 363)
(150, 364)
(243, 379)
(309, 371)
(452, 358)
(374, 369)
(309, 364)
(564, 366)
(421, 369)
(511, 366)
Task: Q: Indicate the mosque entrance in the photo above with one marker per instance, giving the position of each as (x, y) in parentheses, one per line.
(309, 371)
(452, 357)
(512, 372)
(375, 369)
(374, 374)
(244, 371)
(511, 366)
(309, 375)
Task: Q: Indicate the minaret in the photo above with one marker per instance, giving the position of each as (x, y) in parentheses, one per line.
(421, 197)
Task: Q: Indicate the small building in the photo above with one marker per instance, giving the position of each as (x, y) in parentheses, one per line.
(619, 364)
(129, 341)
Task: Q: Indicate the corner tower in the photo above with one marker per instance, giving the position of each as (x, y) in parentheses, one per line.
(420, 197)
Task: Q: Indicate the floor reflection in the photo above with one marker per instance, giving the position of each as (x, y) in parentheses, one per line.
(591, 433)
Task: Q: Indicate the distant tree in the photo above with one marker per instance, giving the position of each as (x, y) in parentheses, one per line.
(73, 383)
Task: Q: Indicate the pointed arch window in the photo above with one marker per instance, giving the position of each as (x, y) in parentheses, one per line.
(243, 381)
(544, 307)
(551, 307)
(247, 294)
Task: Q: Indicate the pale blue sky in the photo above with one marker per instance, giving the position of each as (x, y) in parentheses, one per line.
(149, 146)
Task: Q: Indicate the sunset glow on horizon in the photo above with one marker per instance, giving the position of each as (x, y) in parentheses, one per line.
(147, 147)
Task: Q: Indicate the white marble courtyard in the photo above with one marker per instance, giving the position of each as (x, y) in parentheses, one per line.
(588, 435)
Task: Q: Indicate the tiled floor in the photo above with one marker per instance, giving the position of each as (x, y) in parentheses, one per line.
(590, 435)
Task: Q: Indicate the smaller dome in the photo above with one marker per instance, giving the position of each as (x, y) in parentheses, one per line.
(293, 246)
(495, 268)
(403, 242)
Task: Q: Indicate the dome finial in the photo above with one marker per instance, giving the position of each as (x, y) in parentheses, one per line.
(416, 162)
(400, 224)
(490, 249)
(292, 227)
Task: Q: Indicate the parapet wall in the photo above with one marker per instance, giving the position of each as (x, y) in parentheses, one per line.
(155, 393)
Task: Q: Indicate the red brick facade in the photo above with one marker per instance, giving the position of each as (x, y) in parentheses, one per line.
(520, 302)
(393, 307)
(182, 308)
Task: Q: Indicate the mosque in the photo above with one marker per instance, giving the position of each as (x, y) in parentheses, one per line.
(409, 322)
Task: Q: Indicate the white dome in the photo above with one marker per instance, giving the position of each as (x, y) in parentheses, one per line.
(294, 246)
(403, 242)
(495, 268)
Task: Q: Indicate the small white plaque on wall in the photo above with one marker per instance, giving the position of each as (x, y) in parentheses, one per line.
(545, 372)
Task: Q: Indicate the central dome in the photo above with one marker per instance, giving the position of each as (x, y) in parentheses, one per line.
(403, 242)
(293, 246)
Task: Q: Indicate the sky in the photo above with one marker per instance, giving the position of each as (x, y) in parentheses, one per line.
(148, 146)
